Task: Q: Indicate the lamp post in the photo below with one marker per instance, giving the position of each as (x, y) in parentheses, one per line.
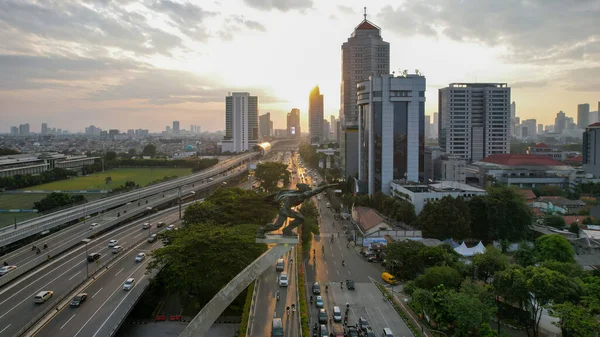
(87, 274)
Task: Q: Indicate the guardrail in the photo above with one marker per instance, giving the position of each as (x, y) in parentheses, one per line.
(77, 239)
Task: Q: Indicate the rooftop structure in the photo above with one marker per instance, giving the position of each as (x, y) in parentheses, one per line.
(420, 194)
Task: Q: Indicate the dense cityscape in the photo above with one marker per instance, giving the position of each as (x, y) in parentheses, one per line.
(385, 215)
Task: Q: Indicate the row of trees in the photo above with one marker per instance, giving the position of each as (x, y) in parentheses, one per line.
(25, 180)
(217, 242)
(56, 200)
(4, 151)
(128, 186)
(270, 173)
(463, 299)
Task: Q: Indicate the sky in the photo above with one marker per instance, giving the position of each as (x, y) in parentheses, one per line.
(142, 64)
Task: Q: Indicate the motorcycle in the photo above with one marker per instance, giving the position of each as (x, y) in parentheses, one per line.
(277, 295)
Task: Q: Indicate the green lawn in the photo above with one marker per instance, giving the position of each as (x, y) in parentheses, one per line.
(96, 181)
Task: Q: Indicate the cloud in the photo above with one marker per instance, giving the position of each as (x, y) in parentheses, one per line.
(346, 9)
(282, 5)
(531, 29)
(529, 84)
(583, 79)
(188, 17)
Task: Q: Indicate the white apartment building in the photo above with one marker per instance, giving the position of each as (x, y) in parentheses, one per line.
(474, 120)
(241, 122)
(391, 133)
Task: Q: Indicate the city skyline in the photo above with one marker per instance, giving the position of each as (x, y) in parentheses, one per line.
(140, 66)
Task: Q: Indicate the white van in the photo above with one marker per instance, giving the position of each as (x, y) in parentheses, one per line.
(94, 225)
(387, 333)
(43, 296)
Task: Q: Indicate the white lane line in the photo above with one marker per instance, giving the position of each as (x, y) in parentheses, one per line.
(138, 235)
(334, 263)
(72, 277)
(338, 272)
(382, 315)
(117, 307)
(67, 322)
(97, 292)
(119, 271)
(100, 307)
(8, 326)
(349, 273)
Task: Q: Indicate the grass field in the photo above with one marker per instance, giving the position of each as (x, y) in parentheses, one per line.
(96, 181)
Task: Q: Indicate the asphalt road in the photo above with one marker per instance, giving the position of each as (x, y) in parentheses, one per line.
(366, 301)
(62, 274)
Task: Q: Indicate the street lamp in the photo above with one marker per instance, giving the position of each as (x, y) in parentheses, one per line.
(87, 274)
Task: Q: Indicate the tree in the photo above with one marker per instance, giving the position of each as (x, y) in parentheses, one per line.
(403, 259)
(270, 173)
(471, 307)
(56, 200)
(488, 263)
(435, 276)
(445, 218)
(132, 152)
(480, 226)
(548, 191)
(525, 255)
(555, 221)
(4, 151)
(110, 156)
(201, 259)
(553, 247)
(402, 211)
(509, 217)
(546, 287)
(108, 180)
(149, 150)
(575, 320)
(511, 284)
(574, 228)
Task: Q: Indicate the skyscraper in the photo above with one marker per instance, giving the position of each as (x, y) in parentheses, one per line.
(391, 130)
(474, 120)
(427, 126)
(44, 128)
(333, 128)
(560, 122)
(241, 122)
(326, 128)
(435, 128)
(175, 126)
(591, 149)
(583, 115)
(364, 54)
(293, 124)
(264, 125)
(14, 130)
(513, 118)
(315, 115)
(24, 129)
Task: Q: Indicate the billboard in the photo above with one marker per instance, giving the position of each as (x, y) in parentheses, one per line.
(293, 130)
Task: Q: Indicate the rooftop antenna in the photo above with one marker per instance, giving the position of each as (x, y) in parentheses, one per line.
(365, 15)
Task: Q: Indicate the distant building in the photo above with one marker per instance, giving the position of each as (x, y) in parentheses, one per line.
(583, 115)
(529, 128)
(44, 128)
(241, 122)
(293, 124)
(315, 116)
(560, 122)
(176, 127)
(391, 129)
(265, 125)
(541, 149)
(112, 133)
(420, 194)
(326, 127)
(591, 149)
(130, 133)
(37, 163)
(14, 130)
(24, 129)
(434, 129)
(474, 119)
(513, 118)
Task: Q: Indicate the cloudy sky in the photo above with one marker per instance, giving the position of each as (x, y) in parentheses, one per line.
(142, 64)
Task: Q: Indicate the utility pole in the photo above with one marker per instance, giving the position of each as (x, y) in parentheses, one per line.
(86, 254)
(179, 197)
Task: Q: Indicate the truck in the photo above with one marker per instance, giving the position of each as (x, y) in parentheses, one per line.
(338, 330)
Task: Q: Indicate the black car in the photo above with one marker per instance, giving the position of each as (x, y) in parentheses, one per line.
(322, 316)
(350, 284)
(352, 332)
(323, 331)
(77, 300)
(369, 332)
(93, 257)
(363, 324)
(316, 288)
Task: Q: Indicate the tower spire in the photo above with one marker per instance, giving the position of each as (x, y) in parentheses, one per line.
(365, 15)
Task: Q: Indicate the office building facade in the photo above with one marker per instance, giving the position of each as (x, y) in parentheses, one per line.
(363, 54)
(293, 124)
(175, 126)
(44, 128)
(265, 126)
(591, 149)
(474, 120)
(583, 115)
(315, 116)
(241, 122)
(391, 130)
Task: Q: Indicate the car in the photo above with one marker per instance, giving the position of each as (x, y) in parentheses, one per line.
(117, 249)
(328, 205)
(350, 284)
(160, 224)
(363, 324)
(93, 257)
(7, 269)
(283, 280)
(152, 238)
(373, 258)
(319, 302)
(352, 332)
(43, 296)
(323, 330)
(129, 283)
(94, 225)
(369, 332)
(170, 227)
(112, 243)
(337, 314)
(140, 257)
(146, 225)
(78, 299)
(323, 316)
(316, 288)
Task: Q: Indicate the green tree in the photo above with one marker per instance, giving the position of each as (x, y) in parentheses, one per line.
(488, 263)
(4, 151)
(525, 255)
(509, 217)
(402, 211)
(480, 226)
(555, 221)
(110, 156)
(149, 150)
(435, 276)
(575, 320)
(548, 191)
(56, 200)
(445, 218)
(511, 284)
(132, 152)
(403, 259)
(574, 228)
(553, 247)
(546, 287)
(472, 306)
(270, 173)
(201, 259)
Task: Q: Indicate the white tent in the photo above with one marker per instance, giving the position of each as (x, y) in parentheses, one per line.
(479, 249)
(463, 250)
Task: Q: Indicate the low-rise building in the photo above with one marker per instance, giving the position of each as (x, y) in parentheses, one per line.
(558, 204)
(368, 220)
(420, 194)
(37, 163)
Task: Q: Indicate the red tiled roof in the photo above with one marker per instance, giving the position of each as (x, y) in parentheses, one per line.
(527, 194)
(540, 145)
(366, 25)
(537, 212)
(575, 159)
(569, 219)
(367, 218)
(510, 159)
(595, 124)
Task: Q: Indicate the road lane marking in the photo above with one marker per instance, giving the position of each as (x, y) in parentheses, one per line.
(72, 277)
(138, 235)
(117, 307)
(119, 271)
(100, 307)
(97, 292)
(338, 272)
(382, 315)
(8, 326)
(67, 322)
(349, 273)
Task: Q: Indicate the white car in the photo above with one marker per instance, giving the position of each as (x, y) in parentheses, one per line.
(112, 243)
(283, 280)
(170, 227)
(146, 225)
(7, 269)
(129, 284)
(94, 225)
(140, 257)
(117, 249)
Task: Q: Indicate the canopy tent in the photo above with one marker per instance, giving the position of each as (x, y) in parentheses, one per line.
(463, 250)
